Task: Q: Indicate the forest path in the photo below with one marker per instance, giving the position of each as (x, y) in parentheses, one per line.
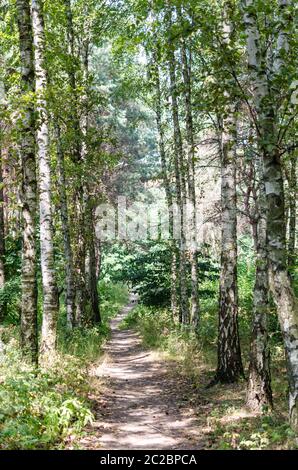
(141, 404)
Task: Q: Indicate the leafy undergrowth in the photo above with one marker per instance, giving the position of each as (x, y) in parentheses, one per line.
(44, 409)
(225, 422)
(41, 409)
(86, 343)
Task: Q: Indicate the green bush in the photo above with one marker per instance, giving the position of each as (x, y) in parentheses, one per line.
(159, 331)
(39, 409)
(147, 267)
(112, 297)
(10, 297)
(86, 342)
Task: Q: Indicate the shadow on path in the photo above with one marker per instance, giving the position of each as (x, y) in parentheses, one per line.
(139, 406)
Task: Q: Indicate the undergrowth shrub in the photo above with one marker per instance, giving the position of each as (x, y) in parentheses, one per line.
(112, 297)
(86, 342)
(10, 297)
(42, 409)
(159, 331)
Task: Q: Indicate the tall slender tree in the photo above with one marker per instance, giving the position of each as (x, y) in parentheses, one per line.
(229, 362)
(91, 260)
(69, 268)
(2, 230)
(292, 212)
(166, 182)
(179, 174)
(229, 366)
(29, 187)
(191, 178)
(49, 283)
(259, 392)
(264, 100)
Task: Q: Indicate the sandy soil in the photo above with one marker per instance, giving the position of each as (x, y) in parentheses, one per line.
(141, 404)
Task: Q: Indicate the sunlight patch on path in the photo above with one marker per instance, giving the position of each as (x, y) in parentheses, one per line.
(139, 406)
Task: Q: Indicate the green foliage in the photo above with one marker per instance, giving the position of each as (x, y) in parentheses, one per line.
(40, 409)
(10, 293)
(112, 297)
(251, 433)
(12, 256)
(10, 297)
(84, 343)
(147, 267)
(159, 331)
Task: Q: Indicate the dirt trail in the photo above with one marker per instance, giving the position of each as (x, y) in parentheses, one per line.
(139, 406)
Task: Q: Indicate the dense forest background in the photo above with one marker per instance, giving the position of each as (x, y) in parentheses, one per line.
(186, 111)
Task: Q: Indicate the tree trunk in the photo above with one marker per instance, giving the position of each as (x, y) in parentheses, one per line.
(69, 269)
(195, 305)
(80, 259)
(229, 367)
(86, 291)
(292, 215)
(78, 155)
(72, 64)
(279, 280)
(28, 189)
(179, 183)
(98, 257)
(92, 276)
(49, 285)
(259, 393)
(2, 236)
(167, 186)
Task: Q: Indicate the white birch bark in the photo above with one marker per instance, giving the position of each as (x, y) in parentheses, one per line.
(49, 285)
(229, 365)
(28, 189)
(229, 361)
(280, 283)
(193, 252)
(292, 214)
(2, 230)
(259, 392)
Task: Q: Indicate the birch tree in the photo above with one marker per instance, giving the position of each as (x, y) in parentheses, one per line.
(292, 212)
(179, 176)
(229, 362)
(229, 366)
(166, 182)
(2, 227)
(259, 392)
(29, 187)
(191, 179)
(49, 284)
(280, 283)
(69, 268)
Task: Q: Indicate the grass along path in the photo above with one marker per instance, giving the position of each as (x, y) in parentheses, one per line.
(139, 404)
